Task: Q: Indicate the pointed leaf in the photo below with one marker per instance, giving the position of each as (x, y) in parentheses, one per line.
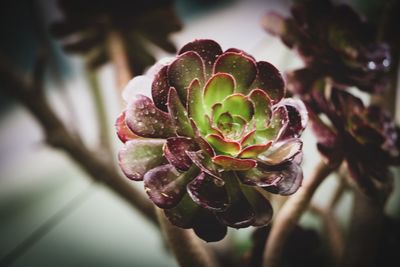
(181, 73)
(230, 163)
(270, 80)
(145, 120)
(175, 151)
(240, 66)
(179, 115)
(262, 108)
(166, 186)
(208, 50)
(217, 89)
(140, 155)
(225, 146)
(208, 192)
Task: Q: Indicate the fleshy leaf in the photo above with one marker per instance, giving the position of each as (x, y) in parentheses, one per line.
(179, 115)
(204, 162)
(225, 146)
(123, 131)
(208, 192)
(207, 227)
(254, 150)
(175, 151)
(230, 163)
(145, 120)
(270, 80)
(298, 117)
(240, 213)
(217, 89)
(140, 155)
(160, 88)
(281, 153)
(195, 105)
(208, 50)
(184, 70)
(166, 186)
(261, 206)
(184, 213)
(292, 177)
(240, 66)
(238, 104)
(282, 179)
(276, 127)
(262, 108)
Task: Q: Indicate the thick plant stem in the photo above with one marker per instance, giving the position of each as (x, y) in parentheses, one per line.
(119, 58)
(290, 214)
(364, 233)
(57, 135)
(186, 246)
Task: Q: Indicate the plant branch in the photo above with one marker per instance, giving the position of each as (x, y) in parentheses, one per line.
(117, 53)
(100, 112)
(57, 135)
(289, 215)
(186, 246)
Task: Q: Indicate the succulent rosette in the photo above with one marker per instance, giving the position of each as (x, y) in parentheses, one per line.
(215, 135)
(363, 136)
(333, 41)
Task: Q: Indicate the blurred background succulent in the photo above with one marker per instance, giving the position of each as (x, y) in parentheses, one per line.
(217, 127)
(86, 28)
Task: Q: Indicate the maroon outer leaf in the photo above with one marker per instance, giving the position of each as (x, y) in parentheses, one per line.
(208, 192)
(123, 131)
(231, 163)
(181, 73)
(298, 117)
(282, 152)
(140, 155)
(179, 115)
(240, 66)
(291, 179)
(204, 162)
(208, 50)
(207, 227)
(145, 120)
(175, 151)
(166, 186)
(261, 206)
(270, 80)
(160, 88)
(184, 214)
(240, 213)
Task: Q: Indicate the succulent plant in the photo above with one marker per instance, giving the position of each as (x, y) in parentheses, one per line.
(85, 26)
(364, 136)
(333, 41)
(215, 135)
